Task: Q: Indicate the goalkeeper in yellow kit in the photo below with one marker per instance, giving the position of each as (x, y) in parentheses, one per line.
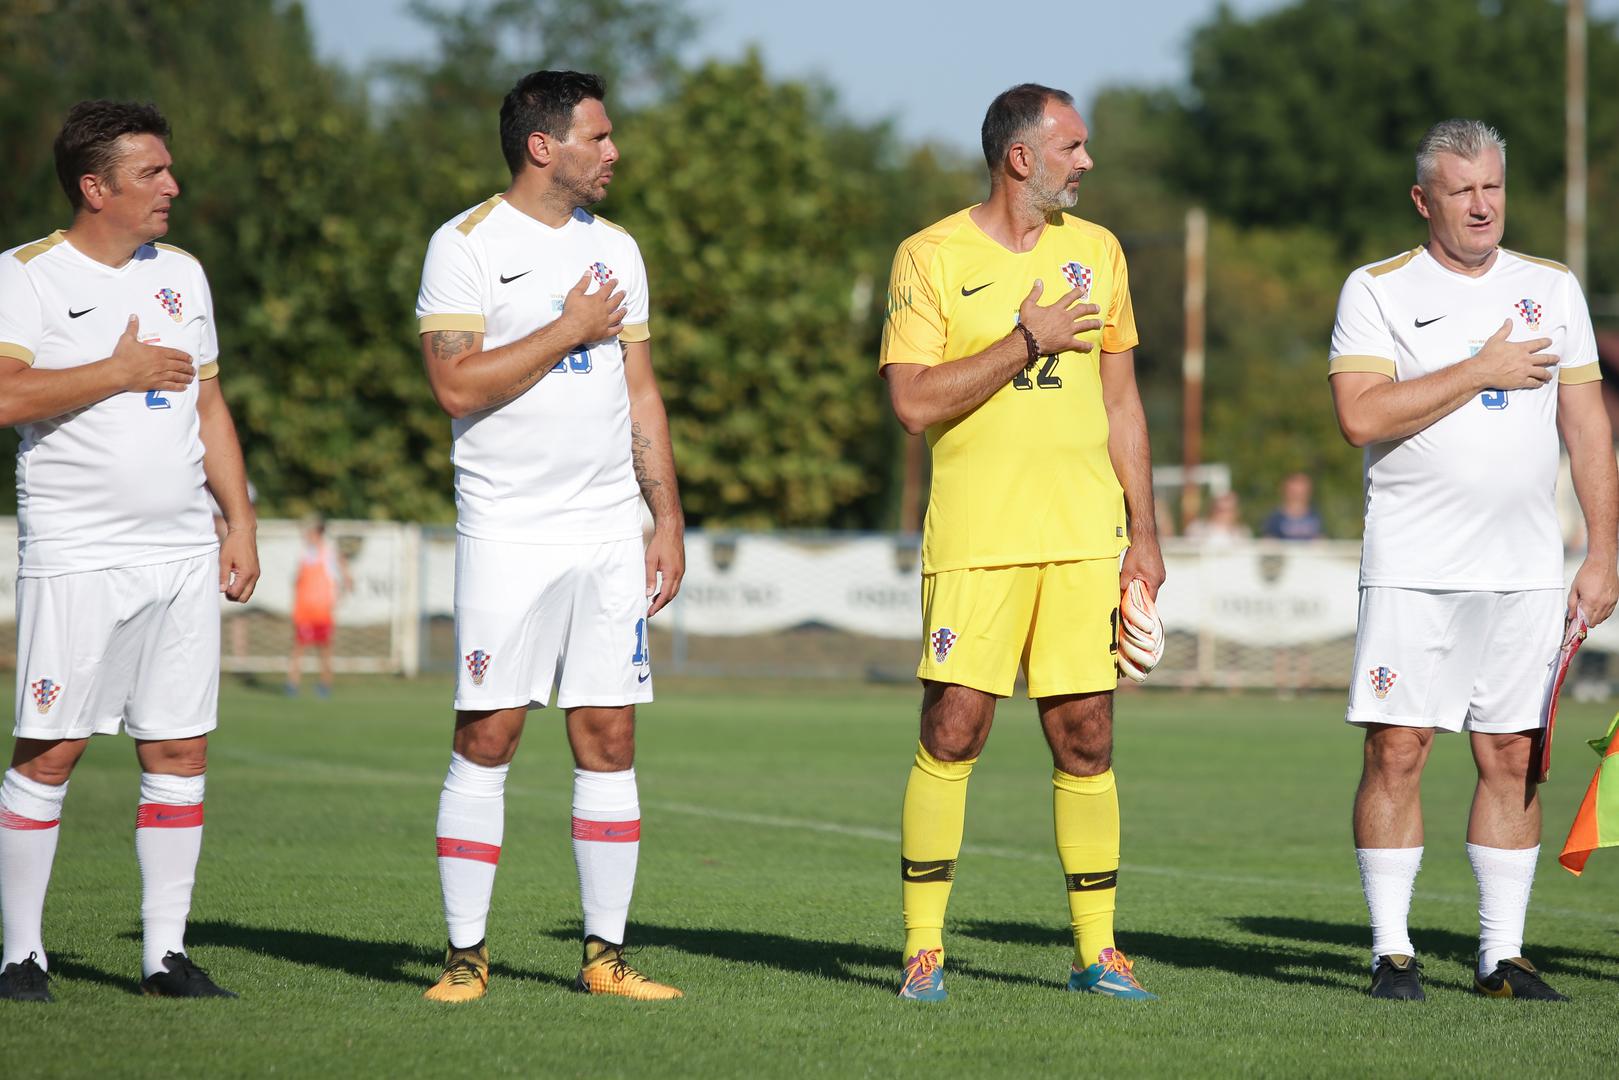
(1041, 477)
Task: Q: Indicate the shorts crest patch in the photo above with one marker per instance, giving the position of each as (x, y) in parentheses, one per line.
(1383, 679)
(477, 664)
(45, 692)
(942, 639)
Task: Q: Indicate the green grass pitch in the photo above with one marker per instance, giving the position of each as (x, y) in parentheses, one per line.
(768, 890)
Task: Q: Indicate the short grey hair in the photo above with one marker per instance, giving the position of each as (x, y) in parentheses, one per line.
(1464, 138)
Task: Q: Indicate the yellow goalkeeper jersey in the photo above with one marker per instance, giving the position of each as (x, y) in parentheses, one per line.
(1025, 477)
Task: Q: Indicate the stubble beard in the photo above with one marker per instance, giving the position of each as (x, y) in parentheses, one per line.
(1047, 197)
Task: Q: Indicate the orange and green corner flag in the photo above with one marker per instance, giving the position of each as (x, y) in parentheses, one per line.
(1597, 823)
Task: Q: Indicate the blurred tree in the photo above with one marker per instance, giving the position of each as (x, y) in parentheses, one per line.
(1310, 115)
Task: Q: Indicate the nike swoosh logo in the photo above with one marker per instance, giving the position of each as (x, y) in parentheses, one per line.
(172, 817)
(504, 280)
(968, 292)
(1426, 322)
(1086, 883)
(643, 676)
(618, 832)
(917, 875)
(75, 314)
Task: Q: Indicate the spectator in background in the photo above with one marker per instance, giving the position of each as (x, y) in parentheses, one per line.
(321, 569)
(1295, 519)
(1223, 526)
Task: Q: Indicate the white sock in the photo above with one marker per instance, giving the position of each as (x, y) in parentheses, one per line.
(471, 824)
(1387, 877)
(168, 839)
(606, 846)
(1505, 876)
(30, 815)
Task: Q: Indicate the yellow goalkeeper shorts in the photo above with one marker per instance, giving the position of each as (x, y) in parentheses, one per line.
(1056, 621)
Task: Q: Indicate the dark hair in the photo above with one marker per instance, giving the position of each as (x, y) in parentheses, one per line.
(88, 141)
(543, 101)
(1011, 114)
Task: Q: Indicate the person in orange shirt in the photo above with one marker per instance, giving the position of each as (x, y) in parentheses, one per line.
(321, 570)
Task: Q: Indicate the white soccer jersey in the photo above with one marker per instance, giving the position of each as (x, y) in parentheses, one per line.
(1467, 503)
(551, 466)
(118, 483)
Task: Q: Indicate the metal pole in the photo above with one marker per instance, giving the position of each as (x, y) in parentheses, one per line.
(1574, 193)
(1197, 239)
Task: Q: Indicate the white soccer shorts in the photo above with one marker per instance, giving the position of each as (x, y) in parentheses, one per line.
(137, 646)
(1456, 661)
(529, 617)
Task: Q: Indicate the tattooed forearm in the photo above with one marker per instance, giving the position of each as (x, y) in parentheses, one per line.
(639, 445)
(448, 344)
(517, 388)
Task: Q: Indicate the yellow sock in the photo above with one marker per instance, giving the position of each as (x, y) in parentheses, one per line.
(930, 828)
(1086, 812)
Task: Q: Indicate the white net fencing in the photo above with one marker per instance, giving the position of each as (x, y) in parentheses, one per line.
(1243, 614)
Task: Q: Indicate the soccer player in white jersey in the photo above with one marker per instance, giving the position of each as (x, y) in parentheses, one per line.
(1456, 365)
(534, 332)
(109, 363)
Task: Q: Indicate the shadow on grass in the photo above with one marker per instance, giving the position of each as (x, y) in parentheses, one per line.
(379, 961)
(837, 960)
(1291, 966)
(69, 967)
(1445, 945)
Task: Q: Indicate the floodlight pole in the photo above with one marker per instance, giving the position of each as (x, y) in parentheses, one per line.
(1197, 240)
(1574, 191)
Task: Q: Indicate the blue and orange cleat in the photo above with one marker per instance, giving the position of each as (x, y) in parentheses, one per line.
(1112, 974)
(924, 976)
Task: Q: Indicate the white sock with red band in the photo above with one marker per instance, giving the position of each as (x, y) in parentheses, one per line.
(1505, 876)
(606, 846)
(471, 825)
(168, 840)
(1389, 876)
(30, 815)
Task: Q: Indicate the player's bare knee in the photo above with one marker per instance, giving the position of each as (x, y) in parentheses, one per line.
(1503, 758)
(47, 761)
(1396, 753)
(174, 757)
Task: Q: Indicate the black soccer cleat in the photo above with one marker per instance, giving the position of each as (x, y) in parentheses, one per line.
(1396, 977)
(183, 979)
(1515, 978)
(25, 981)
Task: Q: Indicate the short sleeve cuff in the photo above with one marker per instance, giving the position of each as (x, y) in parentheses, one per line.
(433, 323)
(1573, 376)
(633, 332)
(1120, 344)
(209, 371)
(14, 351)
(1376, 365)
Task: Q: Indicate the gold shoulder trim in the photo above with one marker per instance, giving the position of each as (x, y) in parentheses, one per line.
(474, 219)
(1376, 365)
(469, 321)
(12, 351)
(1573, 376)
(633, 332)
(1538, 262)
(615, 226)
(1393, 264)
(27, 254)
(209, 371)
(177, 251)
